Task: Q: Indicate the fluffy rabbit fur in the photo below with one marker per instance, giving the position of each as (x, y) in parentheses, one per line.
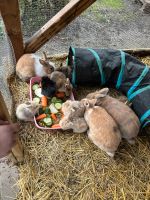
(103, 130)
(62, 83)
(30, 65)
(48, 87)
(27, 111)
(78, 125)
(73, 109)
(126, 119)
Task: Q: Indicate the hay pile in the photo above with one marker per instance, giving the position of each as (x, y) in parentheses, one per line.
(66, 166)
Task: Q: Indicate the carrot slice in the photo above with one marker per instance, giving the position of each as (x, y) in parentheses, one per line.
(55, 126)
(53, 116)
(44, 101)
(60, 94)
(42, 116)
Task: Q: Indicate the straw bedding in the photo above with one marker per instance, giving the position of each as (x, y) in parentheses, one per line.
(67, 166)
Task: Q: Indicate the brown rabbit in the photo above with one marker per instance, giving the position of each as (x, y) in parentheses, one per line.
(26, 111)
(62, 83)
(126, 119)
(103, 130)
(30, 65)
(78, 125)
(66, 70)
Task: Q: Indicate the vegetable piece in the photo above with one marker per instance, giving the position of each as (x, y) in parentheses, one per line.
(58, 106)
(36, 99)
(58, 101)
(60, 94)
(53, 116)
(47, 121)
(55, 126)
(54, 99)
(44, 101)
(35, 86)
(38, 92)
(41, 111)
(53, 109)
(42, 116)
(47, 110)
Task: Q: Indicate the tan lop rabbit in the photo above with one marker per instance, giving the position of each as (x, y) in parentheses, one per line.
(128, 122)
(30, 65)
(103, 130)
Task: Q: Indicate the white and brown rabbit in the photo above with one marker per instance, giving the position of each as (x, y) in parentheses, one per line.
(103, 130)
(124, 116)
(26, 111)
(30, 65)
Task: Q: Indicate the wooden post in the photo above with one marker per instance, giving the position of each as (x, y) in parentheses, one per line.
(73, 9)
(11, 16)
(16, 154)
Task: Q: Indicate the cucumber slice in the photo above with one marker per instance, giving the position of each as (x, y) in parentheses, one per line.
(36, 100)
(58, 101)
(58, 106)
(54, 99)
(38, 92)
(35, 86)
(53, 109)
(47, 121)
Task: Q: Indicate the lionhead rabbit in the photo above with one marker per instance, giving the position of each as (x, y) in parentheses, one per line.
(62, 83)
(26, 111)
(30, 65)
(78, 125)
(103, 130)
(48, 87)
(126, 119)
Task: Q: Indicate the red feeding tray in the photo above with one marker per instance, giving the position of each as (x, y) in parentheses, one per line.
(34, 80)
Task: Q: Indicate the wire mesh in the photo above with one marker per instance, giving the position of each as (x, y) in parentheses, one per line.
(7, 65)
(113, 24)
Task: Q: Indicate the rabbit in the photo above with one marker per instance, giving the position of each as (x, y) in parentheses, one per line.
(103, 130)
(27, 111)
(128, 122)
(30, 65)
(78, 125)
(66, 70)
(73, 109)
(62, 83)
(48, 87)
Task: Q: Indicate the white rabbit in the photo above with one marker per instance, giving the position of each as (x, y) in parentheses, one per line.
(103, 130)
(30, 65)
(124, 116)
(26, 111)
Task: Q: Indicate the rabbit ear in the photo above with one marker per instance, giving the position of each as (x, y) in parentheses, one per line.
(43, 62)
(103, 92)
(45, 56)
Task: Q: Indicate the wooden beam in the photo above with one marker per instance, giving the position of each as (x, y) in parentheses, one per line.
(11, 16)
(73, 9)
(138, 52)
(16, 154)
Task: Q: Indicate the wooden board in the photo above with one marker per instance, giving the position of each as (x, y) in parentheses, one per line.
(11, 16)
(16, 154)
(73, 9)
